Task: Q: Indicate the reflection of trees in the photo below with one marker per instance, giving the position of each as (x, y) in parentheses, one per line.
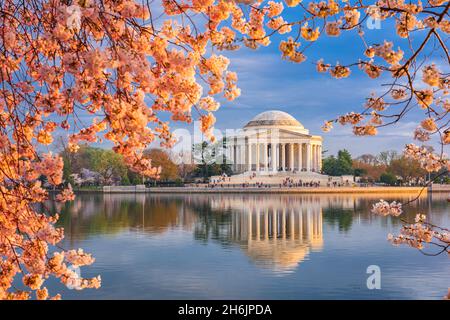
(210, 216)
(209, 222)
(276, 232)
(341, 211)
(343, 218)
(96, 214)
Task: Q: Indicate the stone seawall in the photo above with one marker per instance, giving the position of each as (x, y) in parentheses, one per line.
(292, 190)
(440, 188)
(125, 189)
(360, 190)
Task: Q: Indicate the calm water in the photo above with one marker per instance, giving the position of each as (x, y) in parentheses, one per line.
(249, 247)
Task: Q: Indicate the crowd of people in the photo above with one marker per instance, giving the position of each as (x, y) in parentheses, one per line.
(287, 182)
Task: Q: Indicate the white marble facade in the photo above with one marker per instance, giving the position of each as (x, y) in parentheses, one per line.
(274, 141)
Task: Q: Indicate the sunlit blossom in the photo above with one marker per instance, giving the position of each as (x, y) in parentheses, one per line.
(384, 208)
(431, 75)
(429, 124)
(339, 72)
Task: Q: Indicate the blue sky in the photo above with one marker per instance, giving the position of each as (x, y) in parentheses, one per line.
(268, 82)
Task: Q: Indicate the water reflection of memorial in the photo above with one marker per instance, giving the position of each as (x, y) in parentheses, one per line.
(275, 232)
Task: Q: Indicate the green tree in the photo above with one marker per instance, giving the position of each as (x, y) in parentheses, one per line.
(330, 166)
(342, 165)
(359, 172)
(388, 178)
(345, 162)
(107, 163)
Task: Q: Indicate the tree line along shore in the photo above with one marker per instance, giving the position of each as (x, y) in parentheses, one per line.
(92, 168)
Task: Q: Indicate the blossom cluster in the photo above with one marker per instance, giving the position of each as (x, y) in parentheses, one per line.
(428, 160)
(418, 234)
(384, 208)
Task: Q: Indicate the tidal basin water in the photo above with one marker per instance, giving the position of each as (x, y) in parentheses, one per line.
(244, 246)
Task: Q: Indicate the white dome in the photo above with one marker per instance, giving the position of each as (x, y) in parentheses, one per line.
(273, 118)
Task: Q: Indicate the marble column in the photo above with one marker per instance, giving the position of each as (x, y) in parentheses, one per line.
(266, 156)
(236, 157)
(233, 156)
(230, 155)
(300, 155)
(320, 158)
(316, 158)
(242, 158)
(273, 150)
(308, 157)
(283, 156)
(257, 155)
(313, 157)
(277, 157)
(291, 156)
(249, 156)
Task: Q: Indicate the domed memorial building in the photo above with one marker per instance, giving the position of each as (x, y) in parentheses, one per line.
(274, 143)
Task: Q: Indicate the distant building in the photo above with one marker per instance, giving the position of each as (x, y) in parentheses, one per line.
(274, 141)
(274, 148)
